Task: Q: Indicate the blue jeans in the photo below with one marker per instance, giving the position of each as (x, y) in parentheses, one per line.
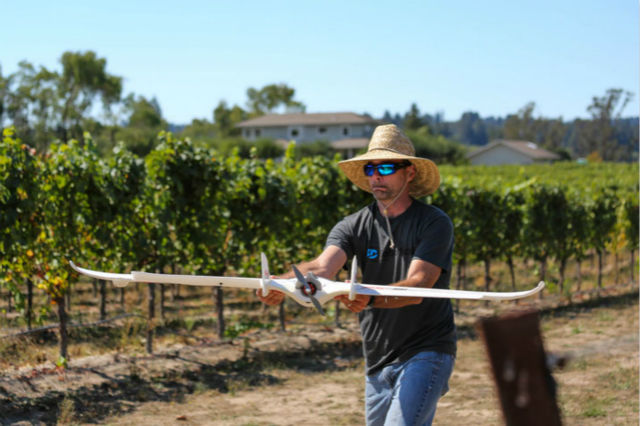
(406, 393)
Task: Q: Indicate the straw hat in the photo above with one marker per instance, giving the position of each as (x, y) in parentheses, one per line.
(389, 143)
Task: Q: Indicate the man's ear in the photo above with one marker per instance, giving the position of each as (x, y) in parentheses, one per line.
(411, 172)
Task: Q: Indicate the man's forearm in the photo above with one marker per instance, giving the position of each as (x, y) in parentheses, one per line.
(313, 266)
(420, 274)
(327, 265)
(390, 302)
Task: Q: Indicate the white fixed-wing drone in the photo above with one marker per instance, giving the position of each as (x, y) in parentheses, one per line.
(307, 290)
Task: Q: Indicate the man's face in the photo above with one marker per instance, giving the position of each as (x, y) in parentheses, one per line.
(386, 188)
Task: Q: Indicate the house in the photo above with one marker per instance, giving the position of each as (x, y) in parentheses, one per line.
(347, 132)
(511, 152)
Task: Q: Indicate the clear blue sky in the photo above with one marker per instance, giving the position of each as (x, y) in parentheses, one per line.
(491, 57)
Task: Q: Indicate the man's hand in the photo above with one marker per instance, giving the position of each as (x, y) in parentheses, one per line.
(274, 297)
(326, 265)
(356, 305)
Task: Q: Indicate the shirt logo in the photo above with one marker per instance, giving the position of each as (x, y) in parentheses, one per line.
(372, 254)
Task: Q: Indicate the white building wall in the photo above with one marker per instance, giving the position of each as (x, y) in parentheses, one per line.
(309, 133)
(255, 133)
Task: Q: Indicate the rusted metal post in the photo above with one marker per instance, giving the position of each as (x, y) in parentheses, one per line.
(526, 389)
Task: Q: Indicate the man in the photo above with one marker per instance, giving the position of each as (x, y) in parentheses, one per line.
(409, 343)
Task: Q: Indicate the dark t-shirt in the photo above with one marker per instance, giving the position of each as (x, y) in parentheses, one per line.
(421, 232)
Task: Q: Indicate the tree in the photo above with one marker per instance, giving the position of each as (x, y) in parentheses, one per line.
(627, 130)
(44, 105)
(471, 129)
(389, 119)
(4, 97)
(225, 119)
(198, 130)
(548, 133)
(412, 120)
(439, 126)
(31, 104)
(599, 134)
(267, 99)
(521, 126)
(144, 123)
(436, 147)
(84, 78)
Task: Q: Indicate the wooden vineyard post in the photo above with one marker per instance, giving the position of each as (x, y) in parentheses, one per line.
(29, 302)
(337, 318)
(526, 389)
(281, 316)
(103, 299)
(151, 312)
(218, 296)
(337, 305)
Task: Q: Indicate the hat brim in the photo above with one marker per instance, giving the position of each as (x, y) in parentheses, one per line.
(426, 181)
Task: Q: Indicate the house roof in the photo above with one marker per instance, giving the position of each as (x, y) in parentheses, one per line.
(315, 119)
(529, 149)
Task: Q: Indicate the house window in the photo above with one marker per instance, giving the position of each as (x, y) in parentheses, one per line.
(247, 133)
(257, 133)
(345, 131)
(296, 132)
(322, 130)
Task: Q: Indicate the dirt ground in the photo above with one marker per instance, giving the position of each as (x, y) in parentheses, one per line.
(599, 386)
(313, 376)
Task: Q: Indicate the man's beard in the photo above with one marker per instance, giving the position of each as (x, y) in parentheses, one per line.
(383, 193)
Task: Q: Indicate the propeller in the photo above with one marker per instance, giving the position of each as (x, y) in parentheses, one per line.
(354, 273)
(308, 291)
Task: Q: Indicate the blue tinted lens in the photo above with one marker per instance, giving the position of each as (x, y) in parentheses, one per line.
(386, 169)
(368, 170)
(383, 169)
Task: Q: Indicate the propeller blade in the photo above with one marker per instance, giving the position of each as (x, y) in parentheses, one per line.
(301, 278)
(354, 269)
(317, 305)
(307, 287)
(354, 274)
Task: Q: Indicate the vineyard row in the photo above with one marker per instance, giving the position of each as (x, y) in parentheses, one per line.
(183, 205)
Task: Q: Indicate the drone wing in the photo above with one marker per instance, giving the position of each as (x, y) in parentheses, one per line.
(197, 280)
(309, 291)
(393, 291)
(120, 280)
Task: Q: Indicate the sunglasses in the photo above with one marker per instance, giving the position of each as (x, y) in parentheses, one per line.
(385, 169)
